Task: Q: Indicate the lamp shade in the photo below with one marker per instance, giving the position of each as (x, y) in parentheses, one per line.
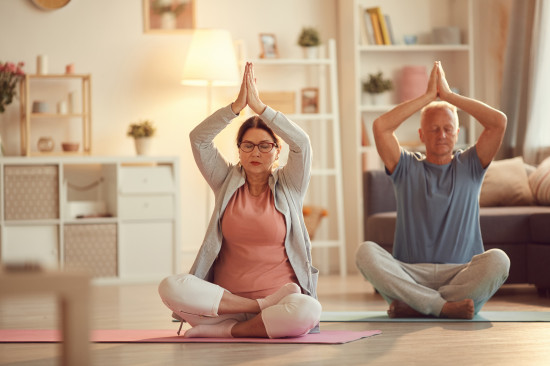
(211, 59)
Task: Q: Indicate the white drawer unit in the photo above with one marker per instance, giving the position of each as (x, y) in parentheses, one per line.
(146, 179)
(116, 217)
(144, 207)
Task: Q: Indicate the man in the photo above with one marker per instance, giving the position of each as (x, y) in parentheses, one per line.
(439, 267)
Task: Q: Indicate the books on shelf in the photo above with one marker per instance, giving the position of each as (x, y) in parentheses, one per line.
(375, 21)
(390, 28)
(375, 27)
(367, 33)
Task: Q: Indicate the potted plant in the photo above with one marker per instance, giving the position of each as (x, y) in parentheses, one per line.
(309, 40)
(142, 132)
(376, 86)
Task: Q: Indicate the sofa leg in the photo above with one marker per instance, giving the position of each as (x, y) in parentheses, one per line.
(543, 291)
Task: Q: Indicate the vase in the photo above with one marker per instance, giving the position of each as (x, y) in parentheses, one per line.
(45, 144)
(311, 52)
(414, 81)
(380, 98)
(143, 145)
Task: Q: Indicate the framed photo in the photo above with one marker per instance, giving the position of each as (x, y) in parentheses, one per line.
(269, 45)
(168, 16)
(310, 100)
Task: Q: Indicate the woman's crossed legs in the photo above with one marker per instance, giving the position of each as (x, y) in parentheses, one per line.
(215, 312)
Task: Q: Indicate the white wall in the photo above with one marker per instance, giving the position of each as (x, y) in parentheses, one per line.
(137, 75)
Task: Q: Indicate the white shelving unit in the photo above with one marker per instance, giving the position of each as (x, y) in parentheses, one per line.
(326, 186)
(116, 217)
(415, 17)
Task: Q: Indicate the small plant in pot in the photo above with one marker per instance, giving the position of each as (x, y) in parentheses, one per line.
(142, 132)
(309, 40)
(376, 85)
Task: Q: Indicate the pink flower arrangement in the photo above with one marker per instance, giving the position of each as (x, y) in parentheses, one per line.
(10, 75)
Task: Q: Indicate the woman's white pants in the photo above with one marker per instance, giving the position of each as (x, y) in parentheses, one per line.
(196, 301)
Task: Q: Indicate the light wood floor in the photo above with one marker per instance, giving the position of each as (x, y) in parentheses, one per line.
(138, 307)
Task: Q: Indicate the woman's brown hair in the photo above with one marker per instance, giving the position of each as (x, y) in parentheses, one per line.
(256, 122)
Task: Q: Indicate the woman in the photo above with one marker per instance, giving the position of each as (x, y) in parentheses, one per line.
(253, 275)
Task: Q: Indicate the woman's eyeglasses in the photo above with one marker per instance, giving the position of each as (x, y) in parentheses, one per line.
(264, 147)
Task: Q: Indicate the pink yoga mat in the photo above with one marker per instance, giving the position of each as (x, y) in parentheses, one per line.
(170, 336)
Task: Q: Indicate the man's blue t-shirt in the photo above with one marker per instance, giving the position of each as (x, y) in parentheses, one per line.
(438, 208)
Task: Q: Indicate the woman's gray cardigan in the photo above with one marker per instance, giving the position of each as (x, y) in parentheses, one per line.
(288, 184)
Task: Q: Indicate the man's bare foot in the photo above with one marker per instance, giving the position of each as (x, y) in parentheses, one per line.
(399, 309)
(463, 309)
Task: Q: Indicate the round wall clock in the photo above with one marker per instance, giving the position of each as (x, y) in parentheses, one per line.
(50, 4)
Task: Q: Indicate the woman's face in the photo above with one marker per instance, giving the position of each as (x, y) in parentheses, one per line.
(256, 162)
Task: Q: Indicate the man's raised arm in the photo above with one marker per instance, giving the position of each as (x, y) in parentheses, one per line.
(492, 120)
(384, 126)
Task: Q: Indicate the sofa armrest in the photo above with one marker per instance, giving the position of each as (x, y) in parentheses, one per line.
(378, 193)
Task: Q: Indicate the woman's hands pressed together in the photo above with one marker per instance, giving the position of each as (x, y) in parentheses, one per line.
(248, 93)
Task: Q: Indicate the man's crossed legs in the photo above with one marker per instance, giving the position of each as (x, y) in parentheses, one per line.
(440, 290)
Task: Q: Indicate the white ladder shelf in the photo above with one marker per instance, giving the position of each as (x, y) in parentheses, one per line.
(326, 187)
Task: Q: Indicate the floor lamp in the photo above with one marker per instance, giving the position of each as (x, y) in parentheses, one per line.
(210, 62)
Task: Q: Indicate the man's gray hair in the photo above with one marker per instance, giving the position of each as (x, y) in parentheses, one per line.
(440, 104)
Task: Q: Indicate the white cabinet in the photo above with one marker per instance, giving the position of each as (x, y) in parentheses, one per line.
(145, 179)
(145, 207)
(117, 218)
(322, 124)
(415, 17)
(39, 243)
(146, 210)
(146, 249)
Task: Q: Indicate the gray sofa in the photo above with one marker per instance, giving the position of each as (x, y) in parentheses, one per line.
(523, 232)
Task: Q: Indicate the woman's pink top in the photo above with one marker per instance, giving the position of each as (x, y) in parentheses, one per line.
(253, 262)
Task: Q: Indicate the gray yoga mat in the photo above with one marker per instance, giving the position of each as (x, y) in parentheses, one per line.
(482, 316)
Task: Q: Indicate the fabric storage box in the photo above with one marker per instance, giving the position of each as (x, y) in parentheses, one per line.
(31, 192)
(91, 247)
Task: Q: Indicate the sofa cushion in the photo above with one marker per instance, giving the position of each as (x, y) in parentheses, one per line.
(499, 225)
(506, 184)
(540, 227)
(539, 181)
(507, 224)
(378, 193)
(380, 228)
(538, 257)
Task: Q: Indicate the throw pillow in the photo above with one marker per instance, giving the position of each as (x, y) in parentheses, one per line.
(539, 181)
(506, 184)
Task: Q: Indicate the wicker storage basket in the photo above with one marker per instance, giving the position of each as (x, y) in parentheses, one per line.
(91, 247)
(31, 192)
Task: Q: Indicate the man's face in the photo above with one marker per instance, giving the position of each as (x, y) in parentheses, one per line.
(439, 131)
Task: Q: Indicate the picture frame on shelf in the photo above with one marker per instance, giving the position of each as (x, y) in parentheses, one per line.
(168, 16)
(268, 43)
(310, 100)
(282, 101)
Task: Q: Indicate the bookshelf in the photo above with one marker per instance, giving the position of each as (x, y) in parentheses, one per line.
(417, 18)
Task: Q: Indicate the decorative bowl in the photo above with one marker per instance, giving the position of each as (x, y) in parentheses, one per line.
(70, 146)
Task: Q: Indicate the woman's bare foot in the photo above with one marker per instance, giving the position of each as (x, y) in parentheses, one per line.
(463, 309)
(399, 309)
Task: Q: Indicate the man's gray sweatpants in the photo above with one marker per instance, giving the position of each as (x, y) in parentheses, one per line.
(426, 287)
